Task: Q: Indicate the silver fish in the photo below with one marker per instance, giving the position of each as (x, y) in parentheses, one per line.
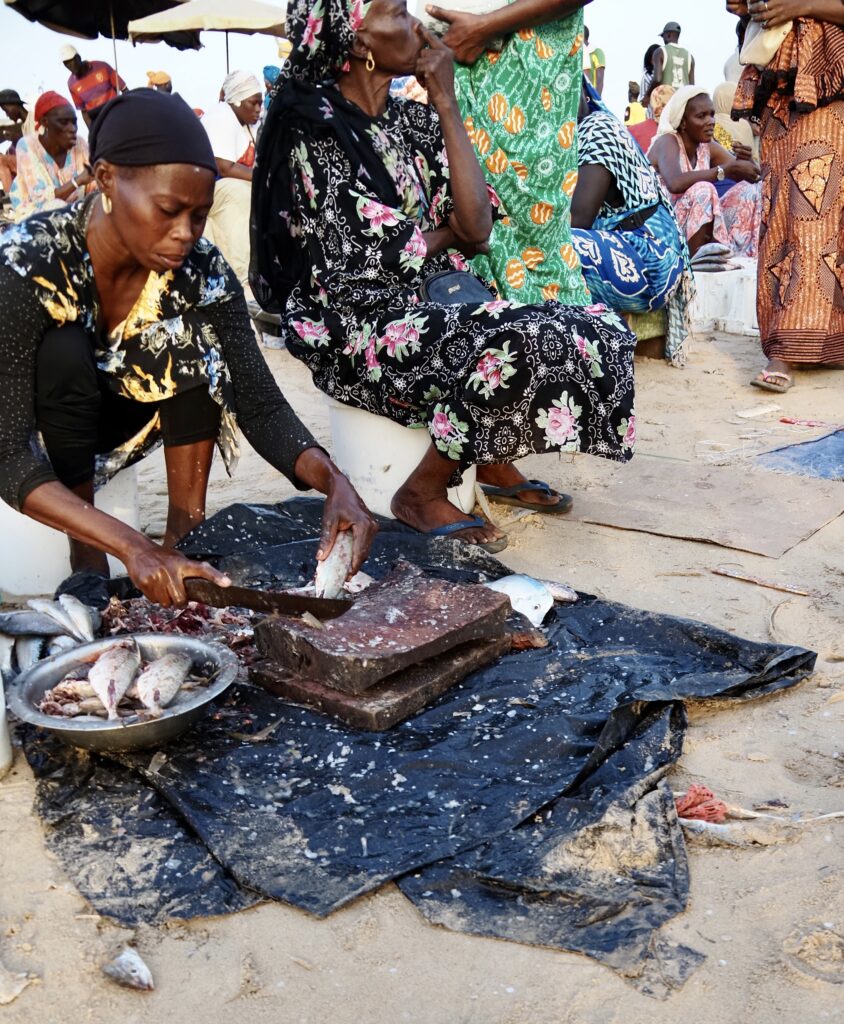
(159, 683)
(129, 969)
(55, 611)
(331, 573)
(527, 596)
(62, 643)
(28, 651)
(7, 650)
(112, 673)
(560, 592)
(28, 623)
(79, 615)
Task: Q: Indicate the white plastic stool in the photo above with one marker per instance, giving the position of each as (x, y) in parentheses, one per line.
(34, 559)
(378, 455)
(726, 301)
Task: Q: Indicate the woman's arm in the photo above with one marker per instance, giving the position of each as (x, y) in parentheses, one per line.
(278, 435)
(232, 169)
(778, 12)
(594, 182)
(735, 168)
(469, 35)
(471, 220)
(665, 157)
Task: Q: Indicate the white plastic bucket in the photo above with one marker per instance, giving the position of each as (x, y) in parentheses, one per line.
(378, 455)
(34, 559)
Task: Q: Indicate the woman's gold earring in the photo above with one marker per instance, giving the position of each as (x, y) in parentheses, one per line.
(104, 199)
(370, 61)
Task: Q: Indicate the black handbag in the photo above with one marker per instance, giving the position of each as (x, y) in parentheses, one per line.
(448, 287)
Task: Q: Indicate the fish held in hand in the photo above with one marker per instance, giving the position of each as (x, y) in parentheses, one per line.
(112, 674)
(159, 683)
(332, 572)
(129, 969)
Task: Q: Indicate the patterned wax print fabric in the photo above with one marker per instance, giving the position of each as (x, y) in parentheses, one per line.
(520, 109)
(38, 177)
(491, 382)
(736, 216)
(800, 294)
(631, 268)
(163, 347)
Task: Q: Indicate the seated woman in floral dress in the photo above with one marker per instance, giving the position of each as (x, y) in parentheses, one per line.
(359, 198)
(690, 162)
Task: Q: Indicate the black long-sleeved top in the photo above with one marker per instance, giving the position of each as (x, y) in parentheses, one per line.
(46, 279)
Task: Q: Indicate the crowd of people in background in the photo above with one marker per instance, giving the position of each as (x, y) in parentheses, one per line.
(376, 159)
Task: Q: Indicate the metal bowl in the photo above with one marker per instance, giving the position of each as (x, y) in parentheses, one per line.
(208, 658)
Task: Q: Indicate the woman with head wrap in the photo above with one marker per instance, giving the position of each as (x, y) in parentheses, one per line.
(360, 198)
(798, 101)
(51, 165)
(121, 328)
(735, 136)
(633, 254)
(645, 132)
(230, 126)
(690, 163)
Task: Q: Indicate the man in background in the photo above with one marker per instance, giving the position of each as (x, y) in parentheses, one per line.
(594, 64)
(673, 65)
(16, 111)
(160, 81)
(635, 112)
(92, 83)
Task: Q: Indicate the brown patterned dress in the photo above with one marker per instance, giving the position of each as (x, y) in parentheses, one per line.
(799, 99)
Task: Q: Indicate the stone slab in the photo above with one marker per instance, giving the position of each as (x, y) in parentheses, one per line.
(393, 699)
(405, 619)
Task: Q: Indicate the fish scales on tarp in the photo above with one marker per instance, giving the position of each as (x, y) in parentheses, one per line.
(316, 813)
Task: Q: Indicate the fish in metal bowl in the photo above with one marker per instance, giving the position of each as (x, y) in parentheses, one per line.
(126, 692)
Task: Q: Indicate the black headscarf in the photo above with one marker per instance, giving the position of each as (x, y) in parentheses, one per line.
(145, 127)
(306, 103)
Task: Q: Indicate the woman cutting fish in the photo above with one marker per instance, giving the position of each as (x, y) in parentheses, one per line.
(121, 328)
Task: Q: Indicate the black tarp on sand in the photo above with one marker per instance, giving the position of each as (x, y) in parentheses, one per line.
(526, 803)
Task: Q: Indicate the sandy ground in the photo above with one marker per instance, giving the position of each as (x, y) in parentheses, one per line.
(766, 917)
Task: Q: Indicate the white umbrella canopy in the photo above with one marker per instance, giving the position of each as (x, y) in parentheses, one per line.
(246, 16)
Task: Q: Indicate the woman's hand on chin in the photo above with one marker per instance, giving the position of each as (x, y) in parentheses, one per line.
(435, 69)
(160, 573)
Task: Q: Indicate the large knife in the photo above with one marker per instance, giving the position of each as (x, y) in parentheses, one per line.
(272, 602)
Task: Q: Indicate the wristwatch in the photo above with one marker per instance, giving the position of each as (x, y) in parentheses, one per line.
(719, 173)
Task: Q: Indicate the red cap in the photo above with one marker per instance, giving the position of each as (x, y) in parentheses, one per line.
(46, 102)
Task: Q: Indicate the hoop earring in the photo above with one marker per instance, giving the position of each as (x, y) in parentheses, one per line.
(106, 203)
(370, 62)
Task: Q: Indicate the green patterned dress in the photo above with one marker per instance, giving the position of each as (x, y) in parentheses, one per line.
(520, 109)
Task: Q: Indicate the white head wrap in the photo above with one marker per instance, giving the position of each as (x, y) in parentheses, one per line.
(675, 108)
(239, 86)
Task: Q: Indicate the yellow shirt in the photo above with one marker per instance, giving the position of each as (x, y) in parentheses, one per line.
(636, 113)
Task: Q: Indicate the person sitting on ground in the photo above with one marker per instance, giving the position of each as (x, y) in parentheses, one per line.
(119, 327)
(690, 163)
(52, 166)
(92, 83)
(230, 128)
(645, 132)
(160, 81)
(360, 198)
(635, 113)
(631, 249)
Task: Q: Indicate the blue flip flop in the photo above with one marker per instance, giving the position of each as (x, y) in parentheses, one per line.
(492, 548)
(508, 496)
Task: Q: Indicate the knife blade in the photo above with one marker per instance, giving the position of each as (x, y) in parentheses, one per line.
(272, 602)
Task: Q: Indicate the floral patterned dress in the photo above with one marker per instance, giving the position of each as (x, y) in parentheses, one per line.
(491, 382)
(736, 216)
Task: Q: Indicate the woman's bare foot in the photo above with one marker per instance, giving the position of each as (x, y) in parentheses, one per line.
(422, 502)
(507, 475)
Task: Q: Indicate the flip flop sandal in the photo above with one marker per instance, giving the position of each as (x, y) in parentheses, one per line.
(474, 522)
(509, 496)
(768, 381)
